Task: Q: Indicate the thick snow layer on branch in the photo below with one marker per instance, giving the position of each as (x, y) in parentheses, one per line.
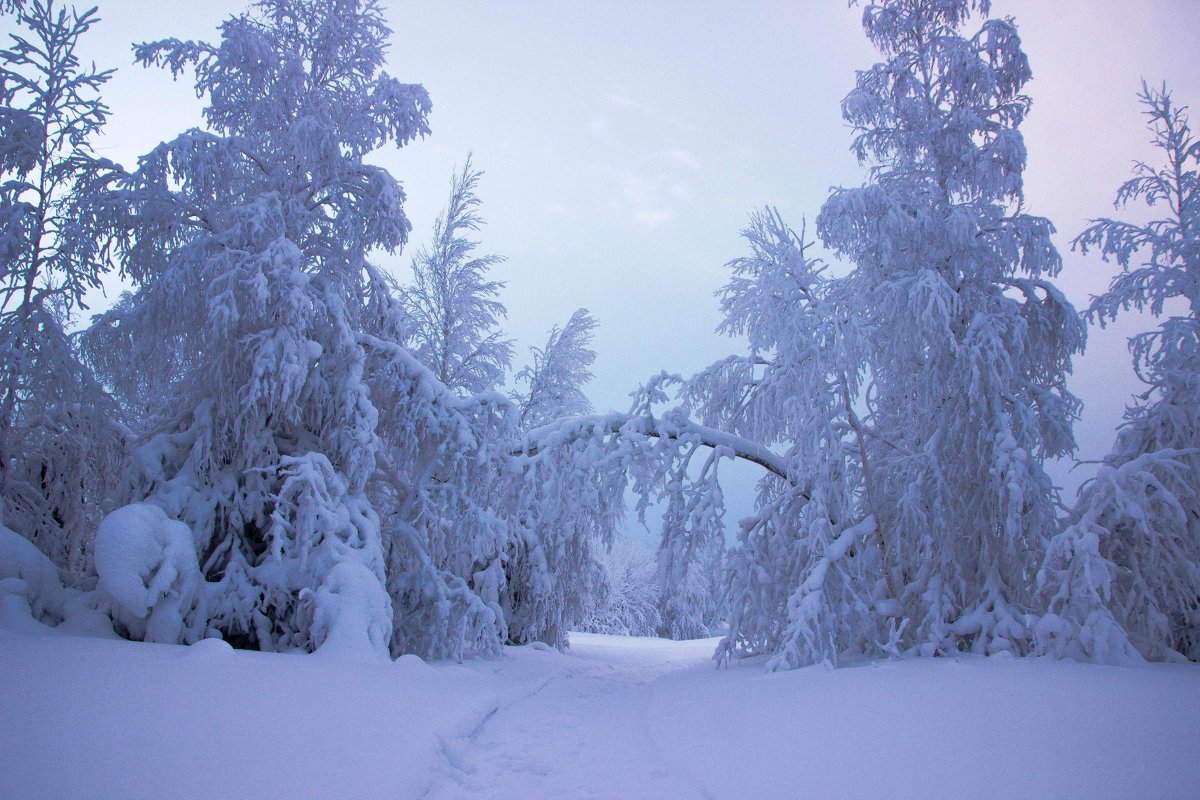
(558, 433)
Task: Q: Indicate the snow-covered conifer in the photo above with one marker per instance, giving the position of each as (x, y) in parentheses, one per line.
(452, 307)
(60, 443)
(1129, 559)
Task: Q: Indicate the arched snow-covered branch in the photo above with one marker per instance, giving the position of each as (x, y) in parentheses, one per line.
(671, 426)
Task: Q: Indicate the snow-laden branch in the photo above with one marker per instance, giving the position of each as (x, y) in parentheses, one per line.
(569, 429)
(430, 387)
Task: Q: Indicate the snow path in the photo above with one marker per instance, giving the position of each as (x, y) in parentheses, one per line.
(643, 718)
(584, 733)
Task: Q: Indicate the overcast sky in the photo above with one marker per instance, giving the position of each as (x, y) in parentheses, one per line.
(626, 143)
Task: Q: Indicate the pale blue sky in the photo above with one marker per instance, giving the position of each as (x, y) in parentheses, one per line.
(626, 143)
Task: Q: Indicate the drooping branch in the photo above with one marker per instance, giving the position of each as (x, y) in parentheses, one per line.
(566, 430)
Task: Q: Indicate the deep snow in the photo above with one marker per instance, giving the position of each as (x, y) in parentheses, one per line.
(613, 718)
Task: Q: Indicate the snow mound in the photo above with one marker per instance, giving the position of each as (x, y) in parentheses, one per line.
(411, 662)
(147, 566)
(211, 648)
(83, 620)
(15, 614)
(26, 572)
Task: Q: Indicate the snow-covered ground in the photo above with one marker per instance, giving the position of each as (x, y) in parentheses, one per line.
(85, 717)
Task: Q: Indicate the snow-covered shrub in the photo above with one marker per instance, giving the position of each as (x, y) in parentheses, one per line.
(25, 571)
(149, 576)
(352, 614)
(628, 602)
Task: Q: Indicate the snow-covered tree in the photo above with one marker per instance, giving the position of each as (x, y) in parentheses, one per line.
(452, 307)
(444, 491)
(806, 575)
(914, 400)
(568, 498)
(969, 343)
(568, 502)
(903, 412)
(337, 482)
(691, 604)
(248, 243)
(628, 605)
(60, 443)
(1128, 562)
(555, 378)
(580, 468)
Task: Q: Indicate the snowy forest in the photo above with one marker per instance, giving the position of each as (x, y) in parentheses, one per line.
(271, 435)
